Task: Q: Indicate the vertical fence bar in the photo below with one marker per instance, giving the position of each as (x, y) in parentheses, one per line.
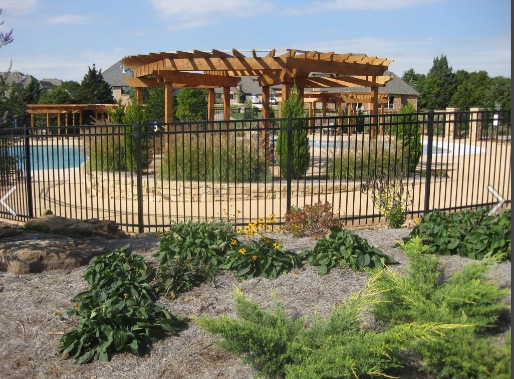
(289, 159)
(28, 173)
(429, 159)
(139, 173)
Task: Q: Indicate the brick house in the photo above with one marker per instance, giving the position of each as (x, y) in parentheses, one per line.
(114, 76)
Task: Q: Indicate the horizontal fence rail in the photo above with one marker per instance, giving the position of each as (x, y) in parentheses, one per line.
(145, 176)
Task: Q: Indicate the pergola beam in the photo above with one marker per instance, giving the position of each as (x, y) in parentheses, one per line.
(334, 67)
(195, 79)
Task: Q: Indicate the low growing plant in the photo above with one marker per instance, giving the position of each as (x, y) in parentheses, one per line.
(471, 234)
(468, 297)
(311, 220)
(118, 312)
(190, 252)
(263, 256)
(345, 249)
(336, 346)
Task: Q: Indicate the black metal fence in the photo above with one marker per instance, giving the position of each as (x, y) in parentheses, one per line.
(242, 170)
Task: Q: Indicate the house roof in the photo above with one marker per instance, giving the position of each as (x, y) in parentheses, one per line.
(48, 84)
(17, 77)
(114, 74)
(394, 87)
(250, 86)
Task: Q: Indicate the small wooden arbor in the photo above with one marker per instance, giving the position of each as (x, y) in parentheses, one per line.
(99, 109)
(214, 69)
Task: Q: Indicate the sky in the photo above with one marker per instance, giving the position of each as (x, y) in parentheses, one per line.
(62, 38)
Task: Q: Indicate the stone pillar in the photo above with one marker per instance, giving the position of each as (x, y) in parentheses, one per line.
(475, 127)
(451, 122)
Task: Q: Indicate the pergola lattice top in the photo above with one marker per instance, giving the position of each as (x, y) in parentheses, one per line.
(221, 69)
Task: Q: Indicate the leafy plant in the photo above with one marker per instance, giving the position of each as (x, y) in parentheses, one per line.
(389, 196)
(261, 257)
(407, 131)
(311, 220)
(336, 346)
(471, 234)
(345, 249)
(300, 150)
(190, 252)
(468, 297)
(118, 312)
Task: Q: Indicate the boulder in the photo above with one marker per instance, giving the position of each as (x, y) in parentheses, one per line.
(91, 227)
(35, 252)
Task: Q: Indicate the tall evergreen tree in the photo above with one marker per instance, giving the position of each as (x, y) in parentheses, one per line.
(31, 93)
(155, 104)
(498, 94)
(439, 85)
(413, 79)
(94, 89)
(192, 104)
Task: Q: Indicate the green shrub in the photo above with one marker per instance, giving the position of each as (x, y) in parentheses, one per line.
(365, 159)
(190, 252)
(118, 312)
(262, 257)
(345, 249)
(300, 150)
(467, 298)
(216, 158)
(192, 104)
(336, 346)
(407, 132)
(471, 234)
(311, 220)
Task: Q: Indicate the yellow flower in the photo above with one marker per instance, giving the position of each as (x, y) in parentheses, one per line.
(125, 294)
(272, 215)
(238, 211)
(233, 242)
(296, 226)
(159, 236)
(58, 314)
(239, 230)
(254, 257)
(242, 251)
(77, 305)
(261, 221)
(224, 210)
(276, 245)
(417, 220)
(251, 224)
(266, 240)
(83, 296)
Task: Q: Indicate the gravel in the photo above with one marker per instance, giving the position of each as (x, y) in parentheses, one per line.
(30, 332)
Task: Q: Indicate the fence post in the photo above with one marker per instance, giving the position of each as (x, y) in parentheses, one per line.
(28, 173)
(428, 177)
(139, 173)
(289, 159)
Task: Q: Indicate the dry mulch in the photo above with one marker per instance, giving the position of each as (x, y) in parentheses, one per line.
(30, 332)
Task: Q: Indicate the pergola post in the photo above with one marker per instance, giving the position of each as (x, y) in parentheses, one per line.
(265, 116)
(80, 117)
(311, 122)
(168, 103)
(374, 109)
(47, 119)
(139, 95)
(210, 106)
(382, 119)
(226, 103)
(325, 122)
(66, 121)
(286, 89)
(339, 112)
(59, 123)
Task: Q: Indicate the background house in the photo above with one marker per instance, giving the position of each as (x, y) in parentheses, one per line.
(114, 76)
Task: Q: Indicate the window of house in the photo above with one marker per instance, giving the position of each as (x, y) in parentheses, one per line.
(125, 90)
(390, 104)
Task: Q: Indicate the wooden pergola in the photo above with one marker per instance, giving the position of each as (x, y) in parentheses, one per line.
(215, 69)
(48, 109)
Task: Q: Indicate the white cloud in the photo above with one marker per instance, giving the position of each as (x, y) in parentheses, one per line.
(70, 19)
(64, 64)
(320, 6)
(18, 7)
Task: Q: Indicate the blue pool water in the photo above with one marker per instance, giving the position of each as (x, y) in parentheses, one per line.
(49, 157)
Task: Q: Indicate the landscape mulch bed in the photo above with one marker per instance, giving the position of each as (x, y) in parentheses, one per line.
(30, 332)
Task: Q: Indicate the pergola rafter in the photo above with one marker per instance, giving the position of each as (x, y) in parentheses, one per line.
(278, 66)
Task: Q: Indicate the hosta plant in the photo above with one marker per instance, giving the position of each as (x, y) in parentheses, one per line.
(118, 312)
(471, 234)
(345, 249)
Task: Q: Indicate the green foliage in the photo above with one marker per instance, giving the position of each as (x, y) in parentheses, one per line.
(261, 257)
(71, 85)
(366, 159)
(311, 220)
(57, 95)
(389, 196)
(116, 115)
(133, 113)
(470, 93)
(471, 234)
(94, 89)
(345, 249)
(209, 157)
(190, 252)
(31, 93)
(413, 79)
(300, 150)
(336, 346)
(192, 104)
(155, 104)
(439, 86)
(118, 312)
(467, 298)
(407, 133)
(498, 94)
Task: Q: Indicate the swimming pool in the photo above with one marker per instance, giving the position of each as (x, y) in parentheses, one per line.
(49, 157)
